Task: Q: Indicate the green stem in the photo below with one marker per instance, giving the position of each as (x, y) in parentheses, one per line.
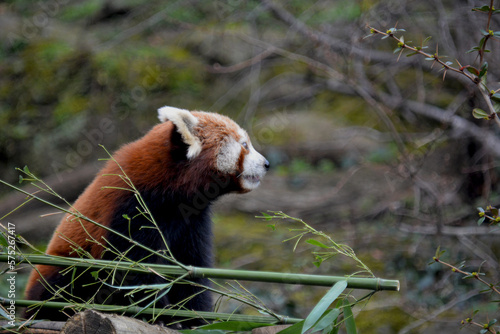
(376, 284)
(156, 311)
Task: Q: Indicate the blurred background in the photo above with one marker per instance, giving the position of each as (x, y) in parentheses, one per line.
(379, 153)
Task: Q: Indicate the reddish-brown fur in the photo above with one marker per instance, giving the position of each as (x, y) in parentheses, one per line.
(149, 164)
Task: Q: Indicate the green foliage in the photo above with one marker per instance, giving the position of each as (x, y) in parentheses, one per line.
(490, 214)
(321, 309)
(320, 319)
(329, 250)
(476, 74)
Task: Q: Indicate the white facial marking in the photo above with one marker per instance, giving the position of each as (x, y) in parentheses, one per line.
(253, 168)
(253, 164)
(228, 156)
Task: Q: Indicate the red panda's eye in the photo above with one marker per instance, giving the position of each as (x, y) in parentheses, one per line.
(245, 145)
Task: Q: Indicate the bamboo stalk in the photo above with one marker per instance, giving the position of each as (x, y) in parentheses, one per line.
(376, 284)
(155, 311)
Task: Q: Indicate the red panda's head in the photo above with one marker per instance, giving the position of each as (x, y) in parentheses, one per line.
(220, 142)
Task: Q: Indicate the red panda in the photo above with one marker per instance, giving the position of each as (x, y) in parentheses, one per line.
(179, 168)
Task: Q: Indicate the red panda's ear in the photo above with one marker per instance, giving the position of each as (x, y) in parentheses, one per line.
(184, 122)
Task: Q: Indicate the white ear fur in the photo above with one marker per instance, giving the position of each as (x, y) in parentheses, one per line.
(185, 122)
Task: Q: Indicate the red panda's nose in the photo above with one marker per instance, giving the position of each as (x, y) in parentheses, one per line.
(266, 164)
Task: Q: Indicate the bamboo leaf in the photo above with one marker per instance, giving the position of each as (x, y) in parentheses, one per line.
(350, 325)
(202, 331)
(316, 243)
(3, 241)
(323, 305)
(235, 326)
(295, 329)
(326, 320)
(4, 314)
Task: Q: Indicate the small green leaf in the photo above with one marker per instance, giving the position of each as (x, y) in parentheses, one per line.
(265, 216)
(480, 220)
(272, 226)
(484, 69)
(473, 70)
(316, 243)
(480, 114)
(481, 42)
(484, 8)
(21, 179)
(439, 252)
(26, 170)
(473, 49)
(319, 261)
(496, 97)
